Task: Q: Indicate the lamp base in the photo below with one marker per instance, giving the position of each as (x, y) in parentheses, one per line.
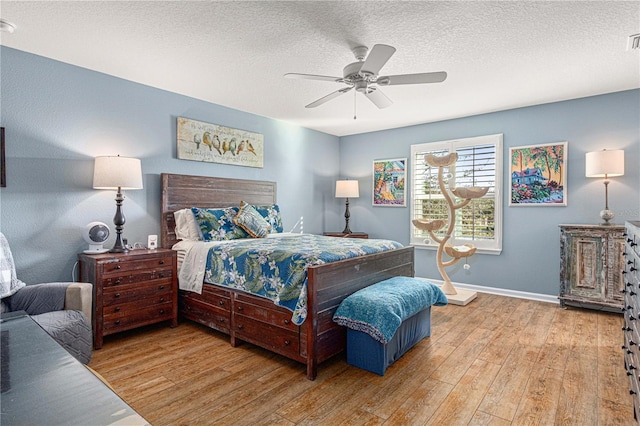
(607, 215)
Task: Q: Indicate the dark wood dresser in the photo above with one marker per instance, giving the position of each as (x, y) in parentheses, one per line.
(631, 311)
(131, 289)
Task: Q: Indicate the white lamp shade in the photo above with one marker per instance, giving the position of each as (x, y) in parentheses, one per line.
(605, 163)
(117, 172)
(347, 189)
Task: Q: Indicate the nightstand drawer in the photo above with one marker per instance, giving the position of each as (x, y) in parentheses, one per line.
(138, 277)
(119, 266)
(135, 316)
(160, 290)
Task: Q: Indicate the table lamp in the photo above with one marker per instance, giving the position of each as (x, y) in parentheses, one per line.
(605, 164)
(347, 189)
(117, 173)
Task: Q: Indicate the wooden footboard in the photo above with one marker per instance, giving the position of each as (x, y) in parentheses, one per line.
(331, 283)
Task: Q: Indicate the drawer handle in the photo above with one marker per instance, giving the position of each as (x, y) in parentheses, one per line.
(632, 293)
(161, 275)
(161, 287)
(117, 322)
(221, 320)
(287, 322)
(162, 300)
(117, 295)
(632, 367)
(240, 308)
(161, 311)
(626, 328)
(117, 309)
(118, 282)
(240, 327)
(633, 269)
(221, 302)
(117, 266)
(287, 342)
(631, 392)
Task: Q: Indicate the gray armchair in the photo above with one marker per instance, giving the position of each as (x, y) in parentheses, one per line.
(62, 309)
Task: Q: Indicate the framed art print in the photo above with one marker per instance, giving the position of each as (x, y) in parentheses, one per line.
(389, 182)
(212, 143)
(538, 175)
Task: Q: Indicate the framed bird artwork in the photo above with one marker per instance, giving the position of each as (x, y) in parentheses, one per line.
(212, 143)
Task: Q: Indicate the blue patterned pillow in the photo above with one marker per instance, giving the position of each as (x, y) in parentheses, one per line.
(271, 213)
(251, 221)
(217, 224)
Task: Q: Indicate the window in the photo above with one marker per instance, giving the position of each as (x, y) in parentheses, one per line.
(479, 164)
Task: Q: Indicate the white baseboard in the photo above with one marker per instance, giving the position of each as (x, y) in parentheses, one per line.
(502, 291)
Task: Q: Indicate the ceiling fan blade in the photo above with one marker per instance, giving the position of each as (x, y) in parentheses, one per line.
(379, 55)
(313, 77)
(329, 97)
(376, 96)
(421, 78)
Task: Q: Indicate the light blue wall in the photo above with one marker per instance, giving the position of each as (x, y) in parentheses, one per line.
(59, 117)
(530, 257)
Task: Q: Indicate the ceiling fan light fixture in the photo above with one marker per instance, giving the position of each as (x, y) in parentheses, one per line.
(363, 76)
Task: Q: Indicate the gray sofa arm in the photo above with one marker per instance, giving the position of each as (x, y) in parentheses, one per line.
(39, 298)
(79, 298)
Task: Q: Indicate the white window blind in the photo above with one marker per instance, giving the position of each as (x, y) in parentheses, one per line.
(479, 164)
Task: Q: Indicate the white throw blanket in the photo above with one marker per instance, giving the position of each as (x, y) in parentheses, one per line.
(9, 282)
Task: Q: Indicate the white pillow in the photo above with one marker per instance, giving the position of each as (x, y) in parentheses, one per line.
(186, 226)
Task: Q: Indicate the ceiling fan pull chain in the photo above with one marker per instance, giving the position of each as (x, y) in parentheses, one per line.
(354, 104)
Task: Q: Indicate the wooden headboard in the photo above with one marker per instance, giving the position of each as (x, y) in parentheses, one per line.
(184, 191)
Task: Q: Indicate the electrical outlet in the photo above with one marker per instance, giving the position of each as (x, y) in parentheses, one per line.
(152, 242)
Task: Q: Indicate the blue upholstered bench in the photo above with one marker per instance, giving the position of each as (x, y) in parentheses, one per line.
(387, 319)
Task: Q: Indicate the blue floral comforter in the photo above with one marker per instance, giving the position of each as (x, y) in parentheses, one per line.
(276, 268)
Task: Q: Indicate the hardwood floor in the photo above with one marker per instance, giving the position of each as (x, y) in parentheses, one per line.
(498, 361)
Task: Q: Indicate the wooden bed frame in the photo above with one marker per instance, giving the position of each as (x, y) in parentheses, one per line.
(259, 321)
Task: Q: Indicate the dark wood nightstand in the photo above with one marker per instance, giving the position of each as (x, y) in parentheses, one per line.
(130, 289)
(343, 235)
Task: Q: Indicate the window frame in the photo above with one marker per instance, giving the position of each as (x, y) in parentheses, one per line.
(492, 246)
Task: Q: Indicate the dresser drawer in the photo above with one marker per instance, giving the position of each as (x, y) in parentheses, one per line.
(210, 315)
(263, 311)
(213, 296)
(266, 335)
(132, 315)
(158, 291)
(154, 263)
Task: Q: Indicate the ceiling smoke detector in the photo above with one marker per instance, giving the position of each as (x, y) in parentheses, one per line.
(634, 42)
(7, 27)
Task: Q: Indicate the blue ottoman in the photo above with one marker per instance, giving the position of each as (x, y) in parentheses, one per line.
(387, 319)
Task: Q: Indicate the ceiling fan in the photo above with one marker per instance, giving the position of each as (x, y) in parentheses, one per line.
(363, 76)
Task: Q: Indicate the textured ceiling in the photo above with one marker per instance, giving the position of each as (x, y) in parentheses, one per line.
(498, 55)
